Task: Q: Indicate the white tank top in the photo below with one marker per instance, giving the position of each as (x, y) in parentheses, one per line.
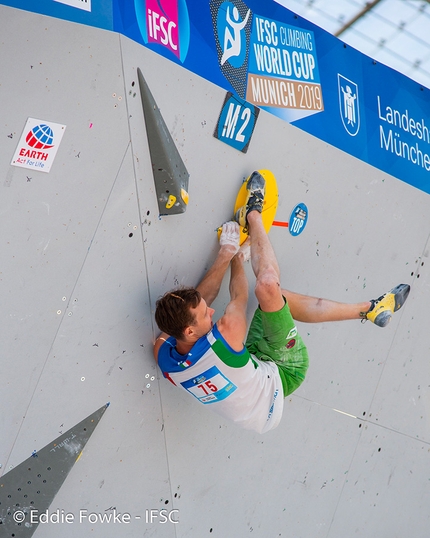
(236, 385)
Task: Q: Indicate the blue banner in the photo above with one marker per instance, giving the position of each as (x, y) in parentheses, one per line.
(281, 63)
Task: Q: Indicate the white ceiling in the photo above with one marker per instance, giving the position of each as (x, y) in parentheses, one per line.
(393, 32)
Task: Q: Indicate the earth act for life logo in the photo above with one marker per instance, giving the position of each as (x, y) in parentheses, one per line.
(38, 145)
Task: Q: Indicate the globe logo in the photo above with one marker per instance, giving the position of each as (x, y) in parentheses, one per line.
(40, 137)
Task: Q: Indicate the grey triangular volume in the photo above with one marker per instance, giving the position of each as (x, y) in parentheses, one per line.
(28, 489)
(170, 174)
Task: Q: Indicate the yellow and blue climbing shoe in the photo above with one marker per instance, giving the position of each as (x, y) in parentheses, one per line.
(383, 308)
(256, 187)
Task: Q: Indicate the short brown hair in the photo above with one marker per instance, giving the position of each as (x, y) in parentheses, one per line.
(172, 311)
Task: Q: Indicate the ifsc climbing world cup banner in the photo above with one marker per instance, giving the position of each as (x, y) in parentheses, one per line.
(270, 63)
(279, 62)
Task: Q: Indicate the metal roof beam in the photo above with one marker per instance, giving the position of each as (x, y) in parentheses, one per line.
(369, 6)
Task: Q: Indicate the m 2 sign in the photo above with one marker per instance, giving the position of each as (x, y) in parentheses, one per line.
(236, 122)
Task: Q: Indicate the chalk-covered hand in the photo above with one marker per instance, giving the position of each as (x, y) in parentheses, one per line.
(230, 236)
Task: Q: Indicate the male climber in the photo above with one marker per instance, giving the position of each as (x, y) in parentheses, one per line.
(247, 383)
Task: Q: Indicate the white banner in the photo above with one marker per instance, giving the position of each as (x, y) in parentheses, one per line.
(80, 4)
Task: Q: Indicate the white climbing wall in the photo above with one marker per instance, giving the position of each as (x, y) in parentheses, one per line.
(85, 256)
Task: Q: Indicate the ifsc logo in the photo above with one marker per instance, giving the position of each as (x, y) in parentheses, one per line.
(40, 137)
(165, 23)
(349, 104)
(232, 22)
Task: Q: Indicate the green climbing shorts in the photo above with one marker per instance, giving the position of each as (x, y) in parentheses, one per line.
(273, 336)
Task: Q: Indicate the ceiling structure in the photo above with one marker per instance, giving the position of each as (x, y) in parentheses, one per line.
(393, 32)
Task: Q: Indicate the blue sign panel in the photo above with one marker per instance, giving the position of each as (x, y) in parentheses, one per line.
(298, 219)
(236, 122)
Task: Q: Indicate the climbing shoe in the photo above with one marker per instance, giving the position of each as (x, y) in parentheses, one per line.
(382, 309)
(256, 187)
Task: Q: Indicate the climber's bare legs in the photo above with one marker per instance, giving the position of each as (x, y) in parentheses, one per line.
(314, 310)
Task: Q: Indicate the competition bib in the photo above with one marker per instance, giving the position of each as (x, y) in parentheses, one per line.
(210, 386)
